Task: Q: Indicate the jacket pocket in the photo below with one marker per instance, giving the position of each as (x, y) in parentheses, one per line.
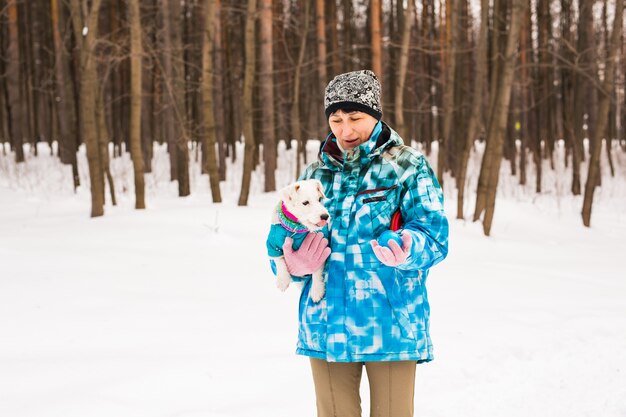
(415, 300)
(392, 283)
(374, 209)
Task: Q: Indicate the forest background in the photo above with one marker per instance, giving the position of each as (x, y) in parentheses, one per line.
(536, 84)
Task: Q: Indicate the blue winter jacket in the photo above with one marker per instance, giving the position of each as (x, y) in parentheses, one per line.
(372, 312)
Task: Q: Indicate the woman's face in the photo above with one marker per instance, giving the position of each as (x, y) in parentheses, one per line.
(351, 129)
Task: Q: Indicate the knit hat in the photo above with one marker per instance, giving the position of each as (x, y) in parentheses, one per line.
(356, 90)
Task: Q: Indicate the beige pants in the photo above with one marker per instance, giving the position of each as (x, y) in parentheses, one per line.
(392, 386)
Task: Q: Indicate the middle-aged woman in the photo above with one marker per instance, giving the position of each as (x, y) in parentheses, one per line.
(375, 312)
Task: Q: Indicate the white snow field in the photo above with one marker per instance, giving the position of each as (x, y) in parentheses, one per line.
(172, 311)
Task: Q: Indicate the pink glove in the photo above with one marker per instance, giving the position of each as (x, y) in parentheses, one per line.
(393, 255)
(309, 257)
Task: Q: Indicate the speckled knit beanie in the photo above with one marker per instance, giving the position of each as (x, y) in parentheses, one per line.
(356, 90)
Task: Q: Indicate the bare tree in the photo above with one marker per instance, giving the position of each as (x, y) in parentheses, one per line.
(490, 168)
(136, 52)
(266, 82)
(88, 27)
(14, 81)
(208, 132)
(218, 81)
(402, 70)
(296, 126)
(477, 104)
(449, 72)
(603, 111)
(250, 43)
(377, 42)
(322, 73)
(64, 87)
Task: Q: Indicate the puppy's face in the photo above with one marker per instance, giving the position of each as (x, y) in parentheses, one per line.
(303, 200)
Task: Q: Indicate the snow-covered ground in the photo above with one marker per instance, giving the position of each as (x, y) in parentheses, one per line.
(172, 311)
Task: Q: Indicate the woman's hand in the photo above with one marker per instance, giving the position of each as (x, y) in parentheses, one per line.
(393, 255)
(309, 257)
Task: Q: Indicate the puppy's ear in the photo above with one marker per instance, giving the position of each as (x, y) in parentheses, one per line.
(320, 189)
(285, 193)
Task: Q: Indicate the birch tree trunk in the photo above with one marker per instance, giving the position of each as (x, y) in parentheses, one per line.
(248, 84)
(208, 117)
(603, 111)
(136, 53)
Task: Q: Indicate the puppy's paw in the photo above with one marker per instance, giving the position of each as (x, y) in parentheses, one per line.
(283, 282)
(318, 289)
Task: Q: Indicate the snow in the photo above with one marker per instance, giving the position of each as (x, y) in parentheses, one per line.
(172, 311)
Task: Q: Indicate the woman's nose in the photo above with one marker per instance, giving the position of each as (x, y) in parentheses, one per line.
(346, 129)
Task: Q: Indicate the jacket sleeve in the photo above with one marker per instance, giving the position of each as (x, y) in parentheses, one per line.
(421, 207)
(274, 242)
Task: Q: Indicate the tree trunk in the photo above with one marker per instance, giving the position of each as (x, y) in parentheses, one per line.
(376, 45)
(426, 86)
(295, 108)
(65, 105)
(88, 96)
(545, 71)
(499, 114)
(322, 73)
(208, 119)
(248, 84)
(568, 88)
(174, 80)
(603, 110)
(477, 104)
(218, 89)
(334, 37)
(136, 52)
(495, 63)
(266, 82)
(448, 70)
(178, 95)
(169, 105)
(17, 118)
(400, 125)
(29, 80)
(103, 143)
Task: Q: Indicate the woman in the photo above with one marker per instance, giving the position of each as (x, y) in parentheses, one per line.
(375, 312)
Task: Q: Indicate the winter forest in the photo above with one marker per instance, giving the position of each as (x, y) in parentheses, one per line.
(534, 84)
(143, 144)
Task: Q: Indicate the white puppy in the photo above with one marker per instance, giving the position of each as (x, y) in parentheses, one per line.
(299, 212)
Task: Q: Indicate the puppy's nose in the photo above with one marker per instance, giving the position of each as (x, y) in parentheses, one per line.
(324, 217)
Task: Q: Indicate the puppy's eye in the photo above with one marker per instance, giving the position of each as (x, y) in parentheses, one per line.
(305, 203)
